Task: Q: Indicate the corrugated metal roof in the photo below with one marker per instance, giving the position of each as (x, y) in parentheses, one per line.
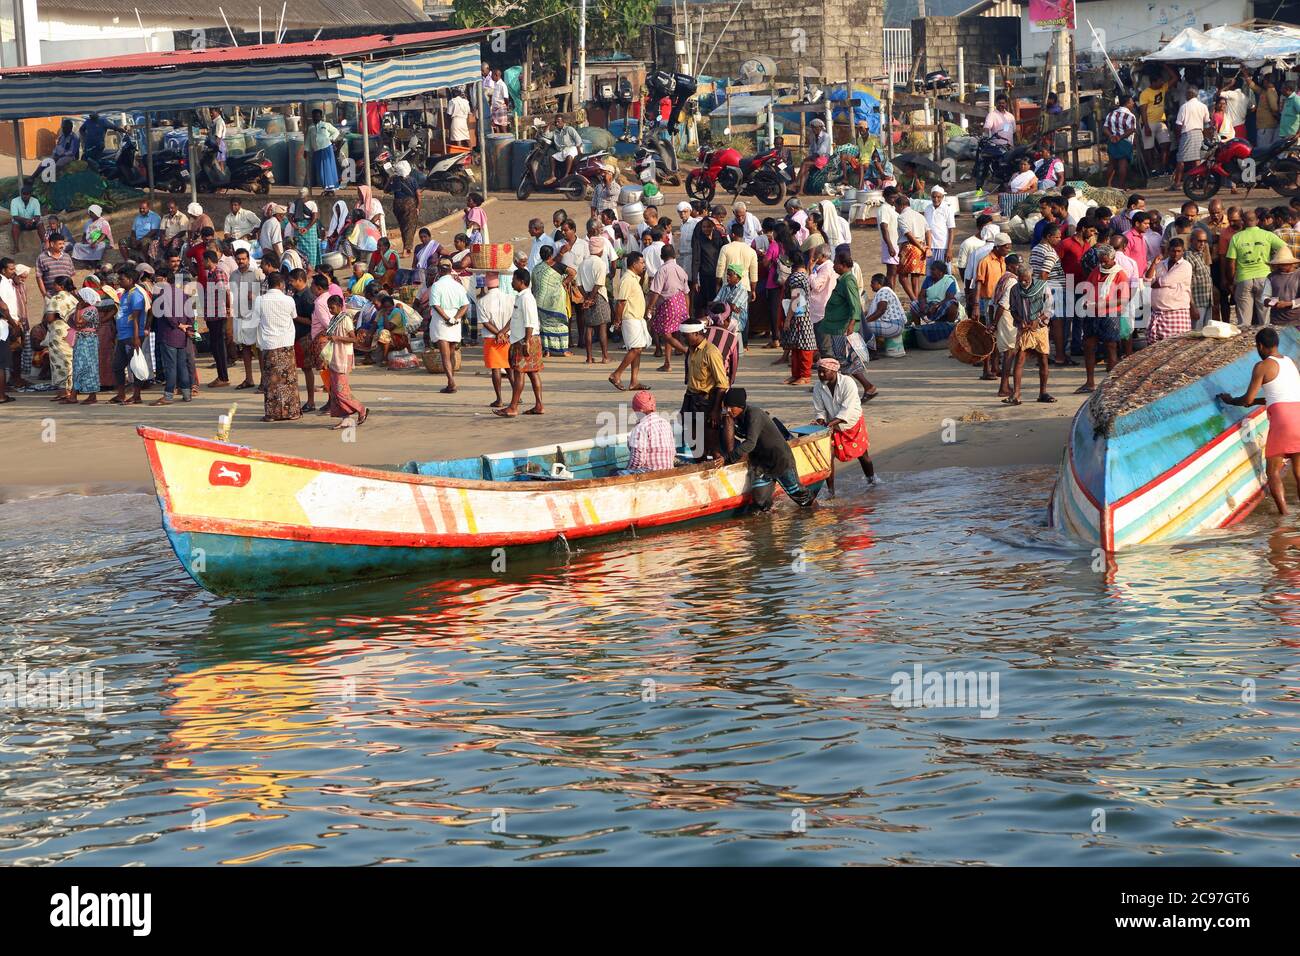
(232, 56)
(241, 13)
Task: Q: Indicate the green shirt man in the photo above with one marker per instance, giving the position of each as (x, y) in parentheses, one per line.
(1252, 247)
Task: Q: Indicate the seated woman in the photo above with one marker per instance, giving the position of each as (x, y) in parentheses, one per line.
(912, 184)
(939, 302)
(1048, 169)
(1023, 181)
(383, 264)
(97, 238)
(877, 173)
(883, 317)
(393, 327)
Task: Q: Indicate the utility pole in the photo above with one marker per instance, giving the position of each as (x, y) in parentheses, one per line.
(582, 54)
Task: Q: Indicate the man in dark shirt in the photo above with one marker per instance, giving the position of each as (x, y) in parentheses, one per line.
(754, 434)
(92, 137)
(304, 302)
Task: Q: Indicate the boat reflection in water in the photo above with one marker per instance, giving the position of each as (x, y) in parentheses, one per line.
(717, 695)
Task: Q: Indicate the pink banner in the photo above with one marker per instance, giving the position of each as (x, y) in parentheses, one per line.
(1048, 15)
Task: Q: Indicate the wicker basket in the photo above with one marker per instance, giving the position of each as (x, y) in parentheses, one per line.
(497, 256)
(971, 342)
(433, 359)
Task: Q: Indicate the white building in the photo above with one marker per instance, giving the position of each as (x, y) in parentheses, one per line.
(1124, 26)
(60, 30)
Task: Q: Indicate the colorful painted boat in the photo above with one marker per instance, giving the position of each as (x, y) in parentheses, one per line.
(251, 523)
(1154, 457)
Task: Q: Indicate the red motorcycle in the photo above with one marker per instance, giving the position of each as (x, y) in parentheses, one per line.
(1234, 162)
(763, 176)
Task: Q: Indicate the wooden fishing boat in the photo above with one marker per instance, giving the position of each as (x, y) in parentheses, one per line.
(1154, 457)
(251, 523)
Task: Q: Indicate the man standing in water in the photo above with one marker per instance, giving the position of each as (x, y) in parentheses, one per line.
(1278, 379)
(769, 453)
(835, 397)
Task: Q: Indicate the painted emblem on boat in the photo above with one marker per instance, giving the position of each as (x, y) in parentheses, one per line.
(229, 473)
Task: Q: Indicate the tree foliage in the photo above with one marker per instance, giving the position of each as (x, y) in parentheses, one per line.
(611, 24)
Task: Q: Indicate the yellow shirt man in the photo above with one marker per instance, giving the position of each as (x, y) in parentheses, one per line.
(705, 370)
(629, 290)
(1152, 100)
(743, 255)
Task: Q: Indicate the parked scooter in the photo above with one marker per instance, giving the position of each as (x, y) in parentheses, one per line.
(127, 165)
(448, 173)
(248, 171)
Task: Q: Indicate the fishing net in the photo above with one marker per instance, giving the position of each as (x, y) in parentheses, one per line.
(1157, 371)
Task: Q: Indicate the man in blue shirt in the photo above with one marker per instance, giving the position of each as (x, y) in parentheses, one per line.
(92, 137)
(1289, 123)
(131, 330)
(142, 244)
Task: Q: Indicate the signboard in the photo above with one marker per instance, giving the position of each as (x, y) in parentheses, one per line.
(1048, 16)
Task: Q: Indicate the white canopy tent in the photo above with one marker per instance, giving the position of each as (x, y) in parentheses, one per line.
(1277, 44)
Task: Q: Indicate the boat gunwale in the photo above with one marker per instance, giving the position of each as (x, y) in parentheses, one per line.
(152, 434)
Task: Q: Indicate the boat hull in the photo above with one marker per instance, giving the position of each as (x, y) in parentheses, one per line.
(246, 523)
(1180, 466)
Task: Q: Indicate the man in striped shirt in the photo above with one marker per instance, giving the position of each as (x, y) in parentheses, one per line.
(1045, 263)
(53, 265)
(1120, 126)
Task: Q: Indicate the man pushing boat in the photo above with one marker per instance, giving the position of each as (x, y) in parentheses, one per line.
(1277, 377)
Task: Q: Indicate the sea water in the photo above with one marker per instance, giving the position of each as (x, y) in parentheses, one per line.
(918, 673)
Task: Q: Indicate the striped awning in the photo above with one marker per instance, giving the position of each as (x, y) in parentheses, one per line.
(405, 76)
(50, 93)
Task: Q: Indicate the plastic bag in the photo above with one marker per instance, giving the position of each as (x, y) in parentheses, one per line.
(139, 366)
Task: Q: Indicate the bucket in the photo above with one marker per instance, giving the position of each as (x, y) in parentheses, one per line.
(633, 214)
(894, 347)
(629, 194)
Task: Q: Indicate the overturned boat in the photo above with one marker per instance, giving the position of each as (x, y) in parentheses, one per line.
(1153, 456)
(250, 523)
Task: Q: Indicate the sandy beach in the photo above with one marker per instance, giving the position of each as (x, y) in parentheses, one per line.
(932, 411)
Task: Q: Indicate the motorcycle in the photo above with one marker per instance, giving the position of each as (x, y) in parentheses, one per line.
(448, 173)
(996, 162)
(127, 166)
(248, 171)
(1235, 163)
(763, 176)
(935, 81)
(537, 170)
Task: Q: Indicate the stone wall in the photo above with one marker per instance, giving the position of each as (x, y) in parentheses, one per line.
(816, 33)
(983, 38)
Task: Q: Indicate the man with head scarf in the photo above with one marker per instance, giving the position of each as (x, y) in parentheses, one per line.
(270, 235)
(835, 399)
(750, 432)
(706, 381)
(651, 445)
(1031, 311)
(594, 310)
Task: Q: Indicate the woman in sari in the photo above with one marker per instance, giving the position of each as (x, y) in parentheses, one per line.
(815, 235)
(97, 238)
(939, 301)
(341, 333)
(23, 373)
(667, 305)
(370, 207)
(340, 219)
(85, 350)
(383, 264)
(406, 202)
(59, 354)
(834, 226)
(552, 305)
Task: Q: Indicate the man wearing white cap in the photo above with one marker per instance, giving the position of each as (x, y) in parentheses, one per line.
(706, 383)
(942, 224)
(686, 213)
(819, 152)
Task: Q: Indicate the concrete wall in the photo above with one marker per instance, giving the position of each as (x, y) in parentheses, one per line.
(816, 33)
(1135, 27)
(983, 38)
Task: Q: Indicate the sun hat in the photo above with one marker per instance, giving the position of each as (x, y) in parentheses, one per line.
(1283, 257)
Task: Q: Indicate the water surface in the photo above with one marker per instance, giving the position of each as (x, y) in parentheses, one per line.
(720, 695)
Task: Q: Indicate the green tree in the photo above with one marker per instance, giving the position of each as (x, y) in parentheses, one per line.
(611, 24)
